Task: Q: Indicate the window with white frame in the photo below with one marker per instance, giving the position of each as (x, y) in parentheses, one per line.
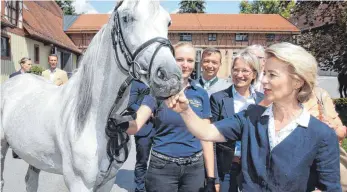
(185, 37)
(12, 11)
(212, 36)
(241, 37)
(270, 37)
(36, 54)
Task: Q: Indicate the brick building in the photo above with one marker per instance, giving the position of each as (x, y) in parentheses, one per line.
(228, 32)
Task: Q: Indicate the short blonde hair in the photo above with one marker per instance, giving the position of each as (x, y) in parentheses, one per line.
(302, 65)
(249, 58)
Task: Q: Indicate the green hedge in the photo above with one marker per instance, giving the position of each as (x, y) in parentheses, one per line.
(341, 108)
(37, 70)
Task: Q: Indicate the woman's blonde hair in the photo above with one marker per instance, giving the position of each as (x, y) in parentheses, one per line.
(249, 58)
(302, 65)
(183, 44)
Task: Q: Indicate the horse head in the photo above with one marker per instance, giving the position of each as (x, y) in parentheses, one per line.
(142, 30)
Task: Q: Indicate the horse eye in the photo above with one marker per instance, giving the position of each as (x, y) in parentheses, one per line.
(128, 19)
(169, 24)
(125, 19)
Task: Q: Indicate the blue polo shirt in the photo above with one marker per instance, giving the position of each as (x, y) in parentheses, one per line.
(172, 137)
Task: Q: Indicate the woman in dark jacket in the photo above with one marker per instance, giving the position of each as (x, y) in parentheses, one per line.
(282, 141)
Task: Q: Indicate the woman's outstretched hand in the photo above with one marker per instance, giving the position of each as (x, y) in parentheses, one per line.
(178, 102)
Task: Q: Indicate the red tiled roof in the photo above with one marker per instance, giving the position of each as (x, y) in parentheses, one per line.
(231, 22)
(87, 22)
(44, 20)
(202, 22)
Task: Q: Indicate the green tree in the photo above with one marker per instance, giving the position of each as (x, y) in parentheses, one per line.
(283, 8)
(192, 6)
(324, 32)
(66, 6)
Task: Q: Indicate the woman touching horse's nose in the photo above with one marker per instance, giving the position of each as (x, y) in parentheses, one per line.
(178, 102)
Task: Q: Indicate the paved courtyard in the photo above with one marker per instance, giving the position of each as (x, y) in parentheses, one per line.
(15, 171)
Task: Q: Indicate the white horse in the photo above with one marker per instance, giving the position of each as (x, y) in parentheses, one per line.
(62, 129)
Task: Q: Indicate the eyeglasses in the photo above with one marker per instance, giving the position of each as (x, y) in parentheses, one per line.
(260, 57)
(243, 72)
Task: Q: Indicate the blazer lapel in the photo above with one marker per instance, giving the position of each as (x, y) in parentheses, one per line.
(263, 133)
(228, 103)
(259, 98)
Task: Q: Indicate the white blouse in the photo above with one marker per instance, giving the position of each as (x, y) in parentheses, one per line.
(274, 139)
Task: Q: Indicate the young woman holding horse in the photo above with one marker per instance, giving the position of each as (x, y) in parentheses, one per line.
(177, 163)
(282, 141)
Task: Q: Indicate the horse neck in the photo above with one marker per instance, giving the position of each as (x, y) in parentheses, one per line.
(97, 82)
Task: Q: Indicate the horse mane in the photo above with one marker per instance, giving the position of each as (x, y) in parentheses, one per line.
(90, 60)
(85, 85)
(84, 93)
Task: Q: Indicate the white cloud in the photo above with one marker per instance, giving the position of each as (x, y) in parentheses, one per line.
(82, 6)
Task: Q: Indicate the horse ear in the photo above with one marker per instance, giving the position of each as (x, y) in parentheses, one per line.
(142, 4)
(128, 4)
(149, 4)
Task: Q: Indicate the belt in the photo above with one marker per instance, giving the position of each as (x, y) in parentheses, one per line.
(178, 160)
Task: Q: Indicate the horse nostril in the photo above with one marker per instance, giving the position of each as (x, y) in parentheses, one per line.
(162, 74)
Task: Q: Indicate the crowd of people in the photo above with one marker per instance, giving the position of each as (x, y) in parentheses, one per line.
(271, 129)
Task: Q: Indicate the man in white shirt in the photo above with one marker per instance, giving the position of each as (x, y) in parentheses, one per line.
(258, 51)
(54, 74)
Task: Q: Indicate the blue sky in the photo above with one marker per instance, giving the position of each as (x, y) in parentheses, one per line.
(212, 6)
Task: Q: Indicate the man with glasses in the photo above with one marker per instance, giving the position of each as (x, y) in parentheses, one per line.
(259, 52)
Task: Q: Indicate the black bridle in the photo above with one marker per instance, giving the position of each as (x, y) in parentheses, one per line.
(118, 139)
(132, 58)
